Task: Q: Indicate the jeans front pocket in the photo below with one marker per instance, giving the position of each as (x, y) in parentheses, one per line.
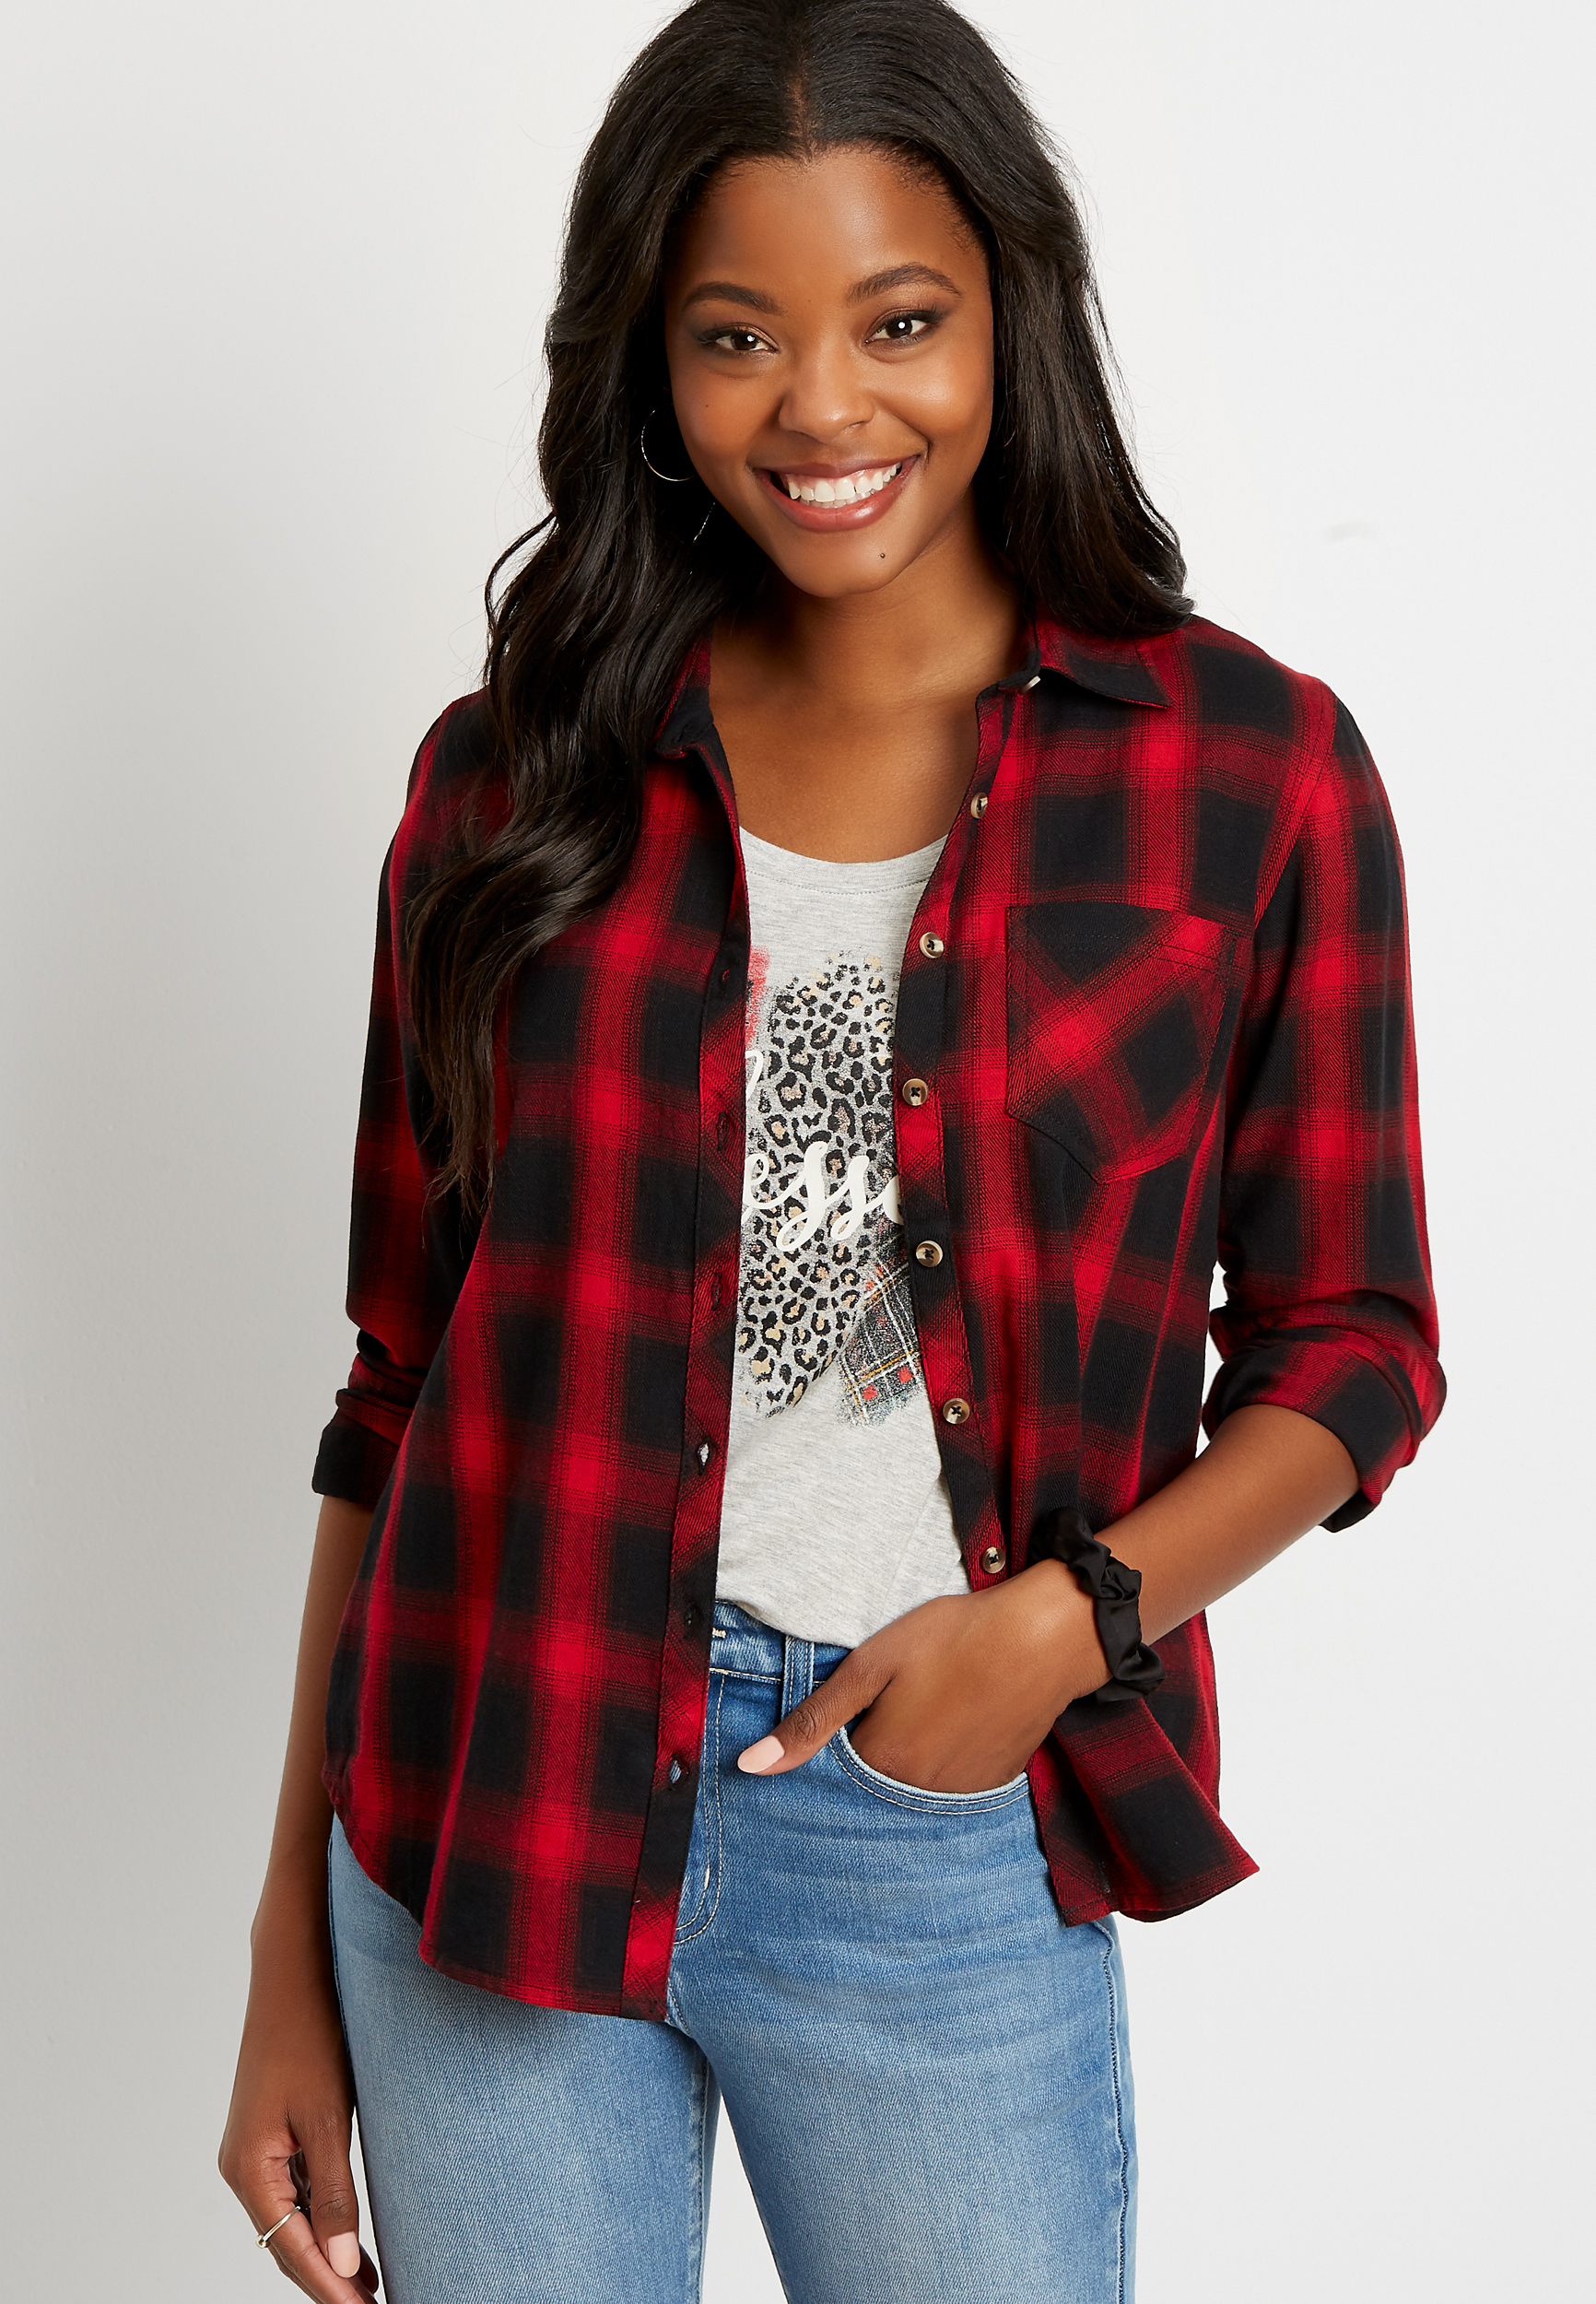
(901, 1795)
(1120, 1021)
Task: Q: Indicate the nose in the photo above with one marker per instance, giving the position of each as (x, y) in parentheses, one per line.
(827, 394)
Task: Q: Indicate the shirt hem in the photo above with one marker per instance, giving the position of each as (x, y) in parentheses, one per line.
(647, 2004)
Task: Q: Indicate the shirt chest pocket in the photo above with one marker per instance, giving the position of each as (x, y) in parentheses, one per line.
(1119, 1019)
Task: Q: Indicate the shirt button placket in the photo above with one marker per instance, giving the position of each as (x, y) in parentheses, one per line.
(930, 1253)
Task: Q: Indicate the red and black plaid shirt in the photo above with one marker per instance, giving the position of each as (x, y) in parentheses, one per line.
(1153, 1016)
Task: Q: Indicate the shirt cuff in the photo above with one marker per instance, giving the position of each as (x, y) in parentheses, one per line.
(353, 1461)
(1351, 1396)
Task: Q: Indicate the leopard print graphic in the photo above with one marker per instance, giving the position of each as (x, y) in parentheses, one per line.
(824, 1274)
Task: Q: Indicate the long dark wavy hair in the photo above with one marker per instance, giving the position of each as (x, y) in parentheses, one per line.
(586, 636)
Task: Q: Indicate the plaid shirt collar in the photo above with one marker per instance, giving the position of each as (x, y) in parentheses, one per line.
(1118, 669)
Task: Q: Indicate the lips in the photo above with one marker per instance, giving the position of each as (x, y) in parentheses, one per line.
(826, 498)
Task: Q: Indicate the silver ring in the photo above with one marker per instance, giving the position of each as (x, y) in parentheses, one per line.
(261, 2238)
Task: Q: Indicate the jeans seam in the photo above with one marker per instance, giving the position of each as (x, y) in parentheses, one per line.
(343, 2029)
(332, 1927)
(701, 2103)
(333, 1940)
(1119, 2114)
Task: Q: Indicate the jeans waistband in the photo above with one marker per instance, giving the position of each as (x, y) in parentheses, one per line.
(758, 1651)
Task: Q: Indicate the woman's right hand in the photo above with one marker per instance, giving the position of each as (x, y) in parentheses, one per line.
(286, 2143)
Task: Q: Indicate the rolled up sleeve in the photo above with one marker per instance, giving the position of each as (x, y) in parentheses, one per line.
(406, 1247)
(1328, 1307)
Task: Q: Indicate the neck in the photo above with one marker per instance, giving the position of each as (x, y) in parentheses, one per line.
(948, 625)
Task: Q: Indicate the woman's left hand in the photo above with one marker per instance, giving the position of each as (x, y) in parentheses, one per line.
(956, 1695)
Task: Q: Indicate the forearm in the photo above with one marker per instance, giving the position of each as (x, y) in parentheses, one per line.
(288, 2134)
(1267, 1476)
(294, 1895)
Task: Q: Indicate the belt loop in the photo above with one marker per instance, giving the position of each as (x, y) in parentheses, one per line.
(797, 1671)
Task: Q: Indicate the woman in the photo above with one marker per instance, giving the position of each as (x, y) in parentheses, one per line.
(865, 956)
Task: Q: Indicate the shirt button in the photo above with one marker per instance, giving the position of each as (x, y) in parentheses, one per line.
(931, 946)
(978, 806)
(915, 1092)
(676, 1771)
(715, 1294)
(691, 1615)
(993, 1560)
(723, 1130)
(955, 1411)
(703, 1453)
(928, 1252)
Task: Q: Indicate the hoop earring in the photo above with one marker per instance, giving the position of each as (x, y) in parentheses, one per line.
(673, 479)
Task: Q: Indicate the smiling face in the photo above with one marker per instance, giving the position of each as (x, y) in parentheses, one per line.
(829, 328)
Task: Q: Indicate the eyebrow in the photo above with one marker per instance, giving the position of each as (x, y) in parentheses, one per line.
(728, 292)
(899, 276)
(902, 276)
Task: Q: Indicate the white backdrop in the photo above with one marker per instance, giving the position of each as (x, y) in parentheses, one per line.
(273, 278)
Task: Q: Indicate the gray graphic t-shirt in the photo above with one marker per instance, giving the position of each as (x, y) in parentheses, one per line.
(836, 1517)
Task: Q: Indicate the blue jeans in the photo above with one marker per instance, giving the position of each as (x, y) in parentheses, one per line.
(927, 2072)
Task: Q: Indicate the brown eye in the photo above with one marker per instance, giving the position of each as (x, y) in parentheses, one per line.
(736, 340)
(903, 327)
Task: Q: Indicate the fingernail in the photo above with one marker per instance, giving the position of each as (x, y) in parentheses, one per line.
(761, 1756)
(343, 2254)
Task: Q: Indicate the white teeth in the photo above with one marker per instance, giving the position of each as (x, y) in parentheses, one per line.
(851, 488)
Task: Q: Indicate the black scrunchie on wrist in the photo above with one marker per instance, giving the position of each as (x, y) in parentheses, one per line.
(1115, 1591)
